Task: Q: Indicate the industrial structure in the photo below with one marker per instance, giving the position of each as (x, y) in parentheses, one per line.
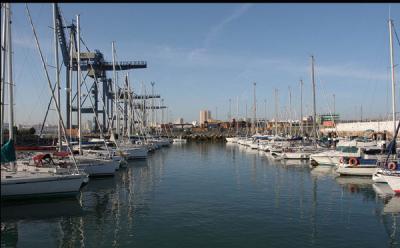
(101, 89)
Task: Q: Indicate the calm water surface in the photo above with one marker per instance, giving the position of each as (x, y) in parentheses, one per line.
(211, 195)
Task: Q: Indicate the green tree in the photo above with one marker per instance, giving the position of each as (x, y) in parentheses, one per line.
(32, 131)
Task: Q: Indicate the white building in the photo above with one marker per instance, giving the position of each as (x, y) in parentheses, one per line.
(88, 126)
(376, 126)
(179, 121)
(205, 115)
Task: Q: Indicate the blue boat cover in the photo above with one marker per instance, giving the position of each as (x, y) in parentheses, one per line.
(8, 152)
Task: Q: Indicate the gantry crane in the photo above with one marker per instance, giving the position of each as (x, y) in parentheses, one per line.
(95, 66)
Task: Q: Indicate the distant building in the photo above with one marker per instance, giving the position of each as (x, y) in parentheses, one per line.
(182, 126)
(205, 115)
(179, 121)
(328, 120)
(88, 126)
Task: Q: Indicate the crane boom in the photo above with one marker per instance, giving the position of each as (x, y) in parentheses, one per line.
(61, 36)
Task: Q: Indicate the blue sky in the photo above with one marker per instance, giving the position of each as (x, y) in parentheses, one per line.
(200, 55)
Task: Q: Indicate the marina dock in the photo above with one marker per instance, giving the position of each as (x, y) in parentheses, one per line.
(201, 125)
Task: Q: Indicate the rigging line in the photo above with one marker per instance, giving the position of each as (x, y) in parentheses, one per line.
(97, 119)
(397, 37)
(49, 84)
(84, 44)
(87, 95)
(108, 117)
(73, 98)
(48, 106)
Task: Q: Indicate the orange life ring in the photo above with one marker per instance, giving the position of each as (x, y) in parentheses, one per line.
(353, 161)
(392, 166)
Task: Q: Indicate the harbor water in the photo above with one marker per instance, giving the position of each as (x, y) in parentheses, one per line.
(210, 195)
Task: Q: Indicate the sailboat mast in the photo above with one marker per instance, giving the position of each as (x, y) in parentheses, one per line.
(246, 118)
(290, 111)
(314, 108)
(130, 116)
(334, 103)
(70, 83)
(125, 115)
(301, 108)
(78, 30)
(57, 72)
(152, 104)
(254, 109)
(265, 115)
(116, 96)
(162, 112)
(392, 76)
(230, 110)
(237, 116)
(9, 75)
(276, 112)
(3, 67)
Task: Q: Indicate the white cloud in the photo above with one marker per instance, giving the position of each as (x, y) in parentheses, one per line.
(23, 40)
(198, 53)
(350, 70)
(215, 30)
(246, 66)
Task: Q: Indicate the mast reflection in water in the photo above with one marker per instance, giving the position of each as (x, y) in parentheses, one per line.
(211, 195)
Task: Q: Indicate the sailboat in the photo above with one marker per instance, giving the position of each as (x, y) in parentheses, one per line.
(92, 164)
(344, 149)
(179, 140)
(130, 149)
(388, 169)
(236, 138)
(297, 149)
(27, 184)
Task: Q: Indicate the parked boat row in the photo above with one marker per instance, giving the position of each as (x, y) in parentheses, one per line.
(373, 158)
(55, 174)
(378, 160)
(64, 169)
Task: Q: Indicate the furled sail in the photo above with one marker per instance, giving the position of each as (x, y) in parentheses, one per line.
(8, 152)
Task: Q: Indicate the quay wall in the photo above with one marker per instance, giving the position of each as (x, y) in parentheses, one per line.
(358, 128)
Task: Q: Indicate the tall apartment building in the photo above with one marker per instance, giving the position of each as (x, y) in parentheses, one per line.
(205, 115)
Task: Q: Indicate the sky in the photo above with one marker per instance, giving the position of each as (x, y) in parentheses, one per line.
(202, 55)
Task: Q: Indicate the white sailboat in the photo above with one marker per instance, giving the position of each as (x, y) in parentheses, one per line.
(21, 184)
(125, 148)
(298, 150)
(180, 140)
(343, 149)
(92, 164)
(389, 171)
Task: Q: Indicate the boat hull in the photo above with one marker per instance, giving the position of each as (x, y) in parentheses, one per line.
(296, 155)
(135, 153)
(355, 170)
(98, 168)
(326, 160)
(394, 182)
(41, 186)
(377, 177)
